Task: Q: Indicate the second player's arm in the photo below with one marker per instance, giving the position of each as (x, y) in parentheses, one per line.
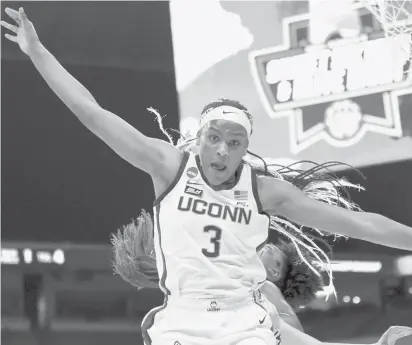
(280, 197)
(148, 154)
(291, 336)
(285, 311)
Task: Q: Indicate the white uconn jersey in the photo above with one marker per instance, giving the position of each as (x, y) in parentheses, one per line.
(206, 241)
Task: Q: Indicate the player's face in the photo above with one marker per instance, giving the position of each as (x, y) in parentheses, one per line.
(222, 145)
(275, 263)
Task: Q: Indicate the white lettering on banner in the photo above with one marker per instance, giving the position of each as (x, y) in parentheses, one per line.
(27, 256)
(334, 71)
(9, 256)
(336, 92)
(44, 257)
(13, 256)
(58, 257)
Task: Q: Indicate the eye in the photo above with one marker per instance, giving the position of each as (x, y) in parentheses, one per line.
(234, 143)
(213, 137)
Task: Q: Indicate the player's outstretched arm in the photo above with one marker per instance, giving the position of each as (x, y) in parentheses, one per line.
(148, 154)
(291, 336)
(282, 198)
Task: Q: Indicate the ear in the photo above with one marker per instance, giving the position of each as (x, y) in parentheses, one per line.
(199, 133)
(246, 147)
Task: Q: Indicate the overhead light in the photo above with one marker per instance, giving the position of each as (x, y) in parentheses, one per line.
(356, 300)
(404, 265)
(354, 266)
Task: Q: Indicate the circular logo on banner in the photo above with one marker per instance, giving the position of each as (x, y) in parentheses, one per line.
(343, 119)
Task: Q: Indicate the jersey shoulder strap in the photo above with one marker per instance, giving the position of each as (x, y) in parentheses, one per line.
(182, 167)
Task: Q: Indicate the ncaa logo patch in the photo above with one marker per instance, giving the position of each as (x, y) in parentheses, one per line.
(192, 172)
(193, 191)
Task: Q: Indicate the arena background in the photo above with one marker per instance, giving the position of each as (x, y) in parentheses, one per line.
(64, 192)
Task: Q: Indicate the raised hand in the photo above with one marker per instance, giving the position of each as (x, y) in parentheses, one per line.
(393, 334)
(26, 36)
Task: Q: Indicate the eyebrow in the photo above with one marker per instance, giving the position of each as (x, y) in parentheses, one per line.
(238, 134)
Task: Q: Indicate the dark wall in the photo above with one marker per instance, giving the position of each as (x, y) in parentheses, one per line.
(388, 192)
(60, 182)
(124, 34)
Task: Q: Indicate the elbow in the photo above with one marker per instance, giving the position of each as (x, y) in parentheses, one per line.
(85, 110)
(384, 231)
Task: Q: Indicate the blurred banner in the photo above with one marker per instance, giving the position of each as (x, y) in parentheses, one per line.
(347, 99)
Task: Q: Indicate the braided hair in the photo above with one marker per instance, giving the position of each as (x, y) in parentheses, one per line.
(300, 284)
(133, 251)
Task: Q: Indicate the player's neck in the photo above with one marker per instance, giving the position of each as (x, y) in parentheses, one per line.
(232, 181)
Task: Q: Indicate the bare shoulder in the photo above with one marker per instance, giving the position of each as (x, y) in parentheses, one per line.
(170, 159)
(273, 192)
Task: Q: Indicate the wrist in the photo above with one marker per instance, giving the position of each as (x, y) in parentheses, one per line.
(36, 50)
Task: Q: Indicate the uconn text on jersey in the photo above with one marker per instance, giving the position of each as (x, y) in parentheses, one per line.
(215, 210)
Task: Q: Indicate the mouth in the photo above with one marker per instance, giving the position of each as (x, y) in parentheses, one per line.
(218, 166)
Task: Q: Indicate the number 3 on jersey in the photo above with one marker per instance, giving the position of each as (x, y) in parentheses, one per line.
(216, 234)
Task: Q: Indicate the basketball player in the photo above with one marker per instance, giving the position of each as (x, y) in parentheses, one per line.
(289, 281)
(210, 213)
(135, 263)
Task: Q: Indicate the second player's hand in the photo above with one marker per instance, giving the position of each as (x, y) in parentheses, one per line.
(393, 334)
(26, 36)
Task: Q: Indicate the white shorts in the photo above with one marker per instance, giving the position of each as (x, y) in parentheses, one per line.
(225, 321)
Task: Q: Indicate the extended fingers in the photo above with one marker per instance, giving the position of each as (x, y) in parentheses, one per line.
(13, 14)
(11, 27)
(406, 331)
(11, 37)
(397, 332)
(23, 15)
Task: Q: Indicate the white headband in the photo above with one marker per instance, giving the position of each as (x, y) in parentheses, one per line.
(228, 113)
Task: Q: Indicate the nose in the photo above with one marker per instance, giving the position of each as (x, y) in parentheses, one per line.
(222, 150)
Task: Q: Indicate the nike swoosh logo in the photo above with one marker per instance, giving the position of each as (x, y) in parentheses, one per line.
(228, 112)
(262, 321)
(194, 183)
